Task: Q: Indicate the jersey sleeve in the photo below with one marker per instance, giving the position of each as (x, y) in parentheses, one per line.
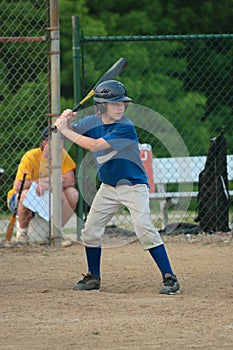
(84, 125)
(67, 162)
(29, 164)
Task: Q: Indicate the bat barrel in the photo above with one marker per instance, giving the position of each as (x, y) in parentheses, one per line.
(115, 70)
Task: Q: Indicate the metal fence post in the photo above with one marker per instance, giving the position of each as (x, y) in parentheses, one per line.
(77, 97)
(55, 111)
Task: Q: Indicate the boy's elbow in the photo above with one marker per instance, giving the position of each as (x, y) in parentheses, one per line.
(94, 146)
(93, 149)
(99, 145)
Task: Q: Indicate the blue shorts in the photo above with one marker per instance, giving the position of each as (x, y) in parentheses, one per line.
(12, 204)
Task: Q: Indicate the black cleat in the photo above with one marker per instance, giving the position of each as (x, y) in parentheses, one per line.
(170, 285)
(88, 282)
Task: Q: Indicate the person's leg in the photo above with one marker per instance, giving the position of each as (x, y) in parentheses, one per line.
(24, 214)
(103, 207)
(159, 255)
(170, 282)
(24, 217)
(137, 201)
(93, 260)
(69, 202)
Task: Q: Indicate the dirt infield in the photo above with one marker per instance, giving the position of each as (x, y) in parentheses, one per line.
(39, 309)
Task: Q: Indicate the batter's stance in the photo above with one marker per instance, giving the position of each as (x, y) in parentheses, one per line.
(113, 140)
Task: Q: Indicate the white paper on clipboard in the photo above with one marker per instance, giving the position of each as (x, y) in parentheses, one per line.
(38, 204)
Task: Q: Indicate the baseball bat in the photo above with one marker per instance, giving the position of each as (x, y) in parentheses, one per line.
(115, 69)
(11, 224)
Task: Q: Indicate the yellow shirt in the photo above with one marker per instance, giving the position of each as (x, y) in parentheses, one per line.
(37, 166)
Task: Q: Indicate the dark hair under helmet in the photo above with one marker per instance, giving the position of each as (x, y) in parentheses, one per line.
(47, 133)
(110, 91)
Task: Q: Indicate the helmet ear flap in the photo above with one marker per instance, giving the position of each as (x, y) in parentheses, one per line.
(100, 108)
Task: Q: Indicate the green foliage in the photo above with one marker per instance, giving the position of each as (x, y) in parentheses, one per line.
(22, 19)
(188, 82)
(22, 116)
(88, 24)
(151, 17)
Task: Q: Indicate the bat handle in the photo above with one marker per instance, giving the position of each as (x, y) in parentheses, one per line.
(77, 107)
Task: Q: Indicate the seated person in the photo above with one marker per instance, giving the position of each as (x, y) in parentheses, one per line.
(35, 163)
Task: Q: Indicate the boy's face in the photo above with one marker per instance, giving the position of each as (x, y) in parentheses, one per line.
(114, 111)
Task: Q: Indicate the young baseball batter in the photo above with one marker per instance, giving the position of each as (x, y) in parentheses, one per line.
(112, 139)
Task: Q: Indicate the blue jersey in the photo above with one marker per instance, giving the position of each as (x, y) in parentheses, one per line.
(120, 164)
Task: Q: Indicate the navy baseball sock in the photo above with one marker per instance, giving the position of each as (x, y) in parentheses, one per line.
(93, 260)
(159, 255)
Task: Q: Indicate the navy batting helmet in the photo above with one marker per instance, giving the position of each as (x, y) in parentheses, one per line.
(110, 91)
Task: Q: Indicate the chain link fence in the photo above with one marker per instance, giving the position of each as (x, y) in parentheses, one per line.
(182, 92)
(181, 86)
(24, 87)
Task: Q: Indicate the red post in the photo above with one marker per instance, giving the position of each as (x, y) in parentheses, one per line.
(147, 160)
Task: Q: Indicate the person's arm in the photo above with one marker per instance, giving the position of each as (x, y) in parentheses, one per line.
(28, 163)
(27, 184)
(42, 185)
(85, 142)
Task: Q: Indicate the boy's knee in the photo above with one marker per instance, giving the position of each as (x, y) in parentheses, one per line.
(92, 236)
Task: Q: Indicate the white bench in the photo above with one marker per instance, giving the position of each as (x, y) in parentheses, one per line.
(184, 172)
